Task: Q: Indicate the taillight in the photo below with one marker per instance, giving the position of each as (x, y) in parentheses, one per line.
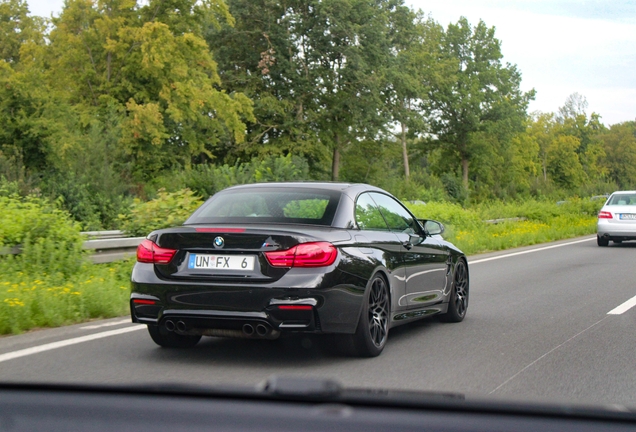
(149, 252)
(318, 254)
(604, 215)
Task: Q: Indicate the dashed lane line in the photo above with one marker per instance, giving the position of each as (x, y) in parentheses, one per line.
(622, 308)
(108, 324)
(63, 343)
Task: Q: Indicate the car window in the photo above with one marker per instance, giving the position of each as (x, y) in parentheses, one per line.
(397, 217)
(368, 217)
(622, 199)
(278, 205)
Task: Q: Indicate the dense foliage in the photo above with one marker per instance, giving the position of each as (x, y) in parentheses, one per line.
(113, 100)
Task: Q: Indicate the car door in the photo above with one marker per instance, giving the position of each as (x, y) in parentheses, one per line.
(379, 243)
(425, 257)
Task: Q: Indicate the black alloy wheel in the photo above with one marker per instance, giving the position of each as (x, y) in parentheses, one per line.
(373, 327)
(458, 302)
(167, 339)
(601, 241)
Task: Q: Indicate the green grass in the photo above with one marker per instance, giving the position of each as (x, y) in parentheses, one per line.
(29, 300)
(544, 222)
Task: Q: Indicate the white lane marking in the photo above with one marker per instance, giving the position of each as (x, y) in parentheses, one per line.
(545, 355)
(623, 307)
(67, 342)
(529, 251)
(108, 324)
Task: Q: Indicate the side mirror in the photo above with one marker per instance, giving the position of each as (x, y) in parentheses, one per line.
(432, 227)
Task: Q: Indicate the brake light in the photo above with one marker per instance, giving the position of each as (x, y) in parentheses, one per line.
(316, 254)
(220, 230)
(149, 252)
(604, 215)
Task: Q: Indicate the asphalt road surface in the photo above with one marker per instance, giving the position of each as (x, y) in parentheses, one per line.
(550, 322)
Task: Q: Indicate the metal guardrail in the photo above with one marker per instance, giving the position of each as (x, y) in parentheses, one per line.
(112, 249)
(513, 219)
(107, 246)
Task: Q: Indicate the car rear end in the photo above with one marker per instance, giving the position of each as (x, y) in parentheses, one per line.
(617, 218)
(250, 279)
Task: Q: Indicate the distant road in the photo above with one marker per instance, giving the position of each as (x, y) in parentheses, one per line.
(538, 327)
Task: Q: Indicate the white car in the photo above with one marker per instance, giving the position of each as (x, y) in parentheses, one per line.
(617, 218)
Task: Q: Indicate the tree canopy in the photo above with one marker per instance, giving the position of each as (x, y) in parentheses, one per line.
(114, 99)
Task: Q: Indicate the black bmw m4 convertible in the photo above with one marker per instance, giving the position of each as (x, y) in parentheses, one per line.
(260, 260)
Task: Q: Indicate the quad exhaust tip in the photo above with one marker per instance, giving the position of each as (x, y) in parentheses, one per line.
(170, 325)
(181, 326)
(261, 330)
(248, 329)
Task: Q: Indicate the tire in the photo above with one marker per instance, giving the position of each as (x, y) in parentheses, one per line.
(602, 241)
(373, 326)
(166, 339)
(458, 302)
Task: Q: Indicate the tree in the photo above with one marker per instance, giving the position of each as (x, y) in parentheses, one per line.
(619, 144)
(479, 92)
(152, 63)
(573, 120)
(319, 66)
(416, 53)
(17, 28)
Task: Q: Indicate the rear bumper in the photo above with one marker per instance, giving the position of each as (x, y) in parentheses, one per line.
(326, 308)
(613, 230)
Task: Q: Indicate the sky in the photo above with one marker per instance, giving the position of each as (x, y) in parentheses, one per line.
(560, 47)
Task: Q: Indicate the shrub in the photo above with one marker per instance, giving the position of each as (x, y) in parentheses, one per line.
(50, 240)
(168, 209)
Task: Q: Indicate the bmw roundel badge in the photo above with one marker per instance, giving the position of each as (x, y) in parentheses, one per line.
(219, 242)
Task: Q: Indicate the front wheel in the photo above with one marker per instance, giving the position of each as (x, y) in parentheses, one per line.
(458, 302)
(166, 339)
(601, 241)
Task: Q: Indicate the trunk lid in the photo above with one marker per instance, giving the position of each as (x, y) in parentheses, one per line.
(231, 253)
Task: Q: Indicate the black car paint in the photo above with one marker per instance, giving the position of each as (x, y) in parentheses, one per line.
(409, 263)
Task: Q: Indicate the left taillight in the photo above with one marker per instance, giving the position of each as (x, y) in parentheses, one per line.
(604, 215)
(149, 252)
(314, 254)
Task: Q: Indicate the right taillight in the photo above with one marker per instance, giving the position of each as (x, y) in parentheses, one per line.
(604, 215)
(149, 252)
(315, 254)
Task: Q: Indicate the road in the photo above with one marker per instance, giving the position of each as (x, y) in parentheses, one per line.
(537, 328)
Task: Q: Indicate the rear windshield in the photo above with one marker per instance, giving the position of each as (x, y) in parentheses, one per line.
(269, 205)
(622, 199)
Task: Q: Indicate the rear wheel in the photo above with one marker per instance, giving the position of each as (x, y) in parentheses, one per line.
(166, 339)
(601, 241)
(458, 302)
(373, 327)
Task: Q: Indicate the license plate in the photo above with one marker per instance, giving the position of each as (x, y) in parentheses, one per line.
(221, 262)
(627, 216)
